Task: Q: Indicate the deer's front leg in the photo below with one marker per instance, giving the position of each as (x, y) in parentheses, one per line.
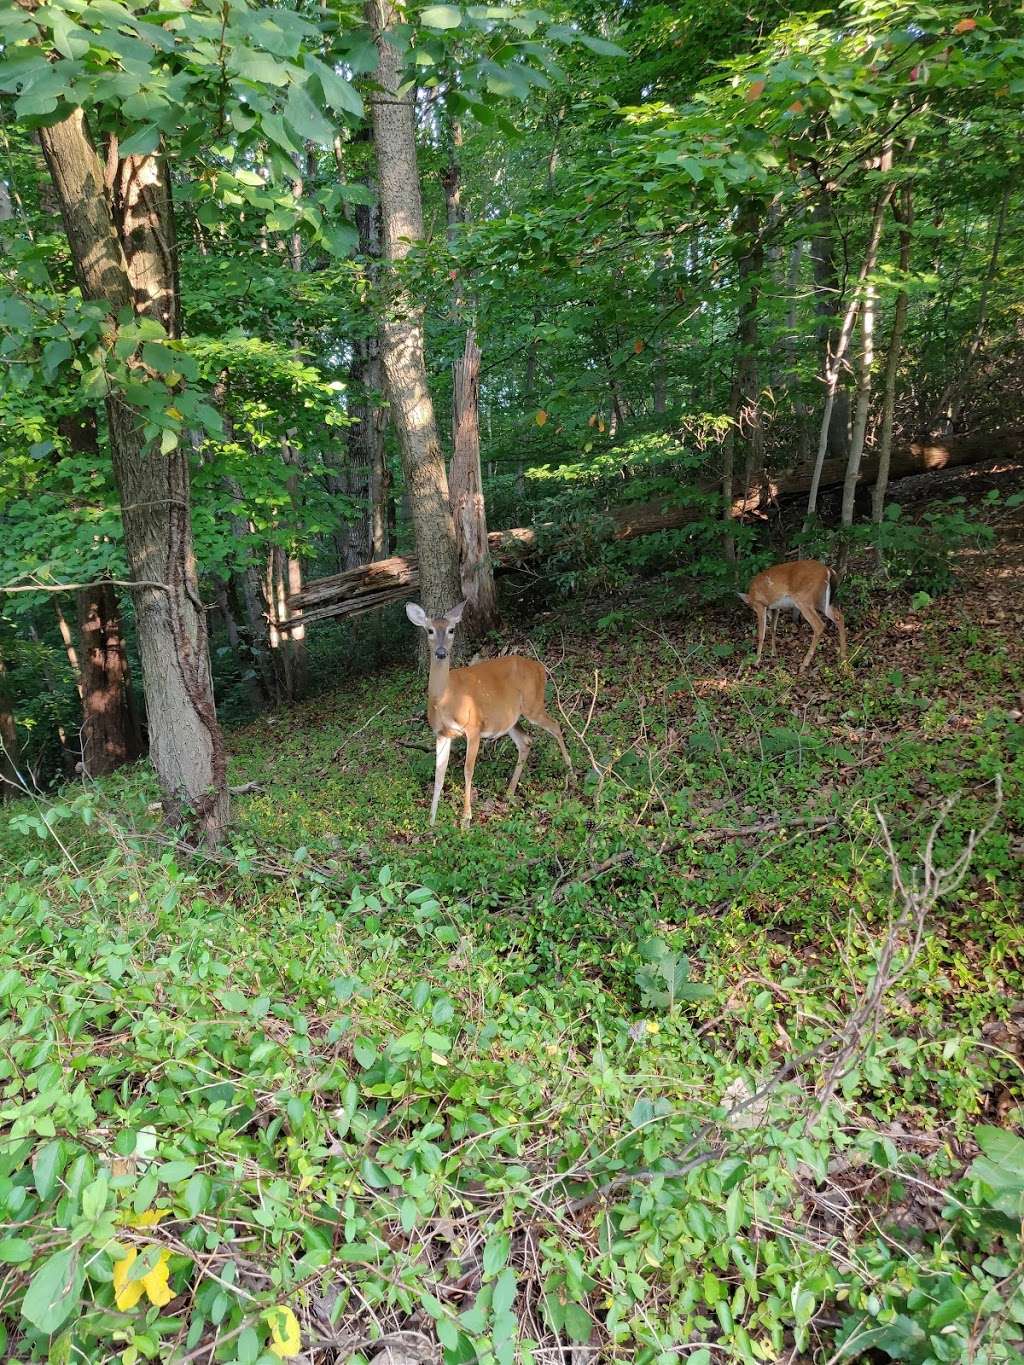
(444, 748)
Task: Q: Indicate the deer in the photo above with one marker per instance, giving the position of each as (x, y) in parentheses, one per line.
(483, 701)
(805, 585)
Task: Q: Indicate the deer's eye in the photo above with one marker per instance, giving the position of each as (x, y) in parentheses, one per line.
(430, 630)
(451, 630)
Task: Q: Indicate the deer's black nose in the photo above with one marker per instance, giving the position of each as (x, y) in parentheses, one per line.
(440, 653)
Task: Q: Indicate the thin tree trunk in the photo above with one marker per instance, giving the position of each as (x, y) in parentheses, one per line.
(110, 737)
(466, 486)
(862, 408)
(68, 640)
(905, 215)
(952, 399)
(136, 271)
(10, 778)
(834, 357)
(729, 470)
(402, 347)
(828, 292)
(749, 426)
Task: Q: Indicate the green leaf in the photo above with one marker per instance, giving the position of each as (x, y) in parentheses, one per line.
(142, 142)
(504, 1295)
(305, 119)
(339, 93)
(47, 1165)
(197, 1193)
(69, 40)
(601, 46)
(578, 1323)
(1004, 1148)
(734, 1212)
(54, 1291)
(496, 1253)
(441, 16)
(948, 1311)
(173, 1172)
(15, 1250)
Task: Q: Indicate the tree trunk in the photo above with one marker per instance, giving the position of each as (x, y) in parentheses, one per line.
(835, 356)
(862, 409)
(402, 352)
(68, 640)
(10, 779)
(110, 737)
(137, 271)
(828, 299)
(468, 510)
(749, 425)
(950, 403)
(905, 215)
(728, 483)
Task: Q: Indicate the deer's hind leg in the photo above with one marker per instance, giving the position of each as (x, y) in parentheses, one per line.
(523, 744)
(545, 722)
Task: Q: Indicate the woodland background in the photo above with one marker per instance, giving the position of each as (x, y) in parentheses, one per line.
(309, 309)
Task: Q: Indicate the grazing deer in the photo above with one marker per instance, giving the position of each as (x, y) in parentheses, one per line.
(805, 585)
(482, 701)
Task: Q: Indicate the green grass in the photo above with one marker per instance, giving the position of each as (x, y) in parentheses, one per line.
(414, 1080)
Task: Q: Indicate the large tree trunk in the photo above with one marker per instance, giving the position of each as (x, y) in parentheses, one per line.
(468, 509)
(402, 354)
(110, 736)
(137, 271)
(905, 216)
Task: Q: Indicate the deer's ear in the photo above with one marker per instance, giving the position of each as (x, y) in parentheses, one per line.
(416, 615)
(455, 615)
(743, 597)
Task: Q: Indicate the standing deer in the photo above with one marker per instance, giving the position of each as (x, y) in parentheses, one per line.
(482, 701)
(806, 586)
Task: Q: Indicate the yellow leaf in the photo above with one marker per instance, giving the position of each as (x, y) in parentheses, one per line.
(653, 1026)
(126, 1295)
(541, 417)
(157, 1282)
(173, 412)
(285, 1338)
(638, 345)
(754, 90)
(965, 25)
(600, 426)
(797, 107)
(592, 420)
(439, 1058)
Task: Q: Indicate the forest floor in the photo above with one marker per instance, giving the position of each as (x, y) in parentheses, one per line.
(426, 1079)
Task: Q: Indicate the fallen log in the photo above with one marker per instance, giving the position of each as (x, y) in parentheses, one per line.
(372, 586)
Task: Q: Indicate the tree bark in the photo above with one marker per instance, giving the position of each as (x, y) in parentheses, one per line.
(466, 484)
(402, 350)
(137, 272)
(110, 737)
(905, 216)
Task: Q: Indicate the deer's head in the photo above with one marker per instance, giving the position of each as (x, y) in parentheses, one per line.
(440, 629)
